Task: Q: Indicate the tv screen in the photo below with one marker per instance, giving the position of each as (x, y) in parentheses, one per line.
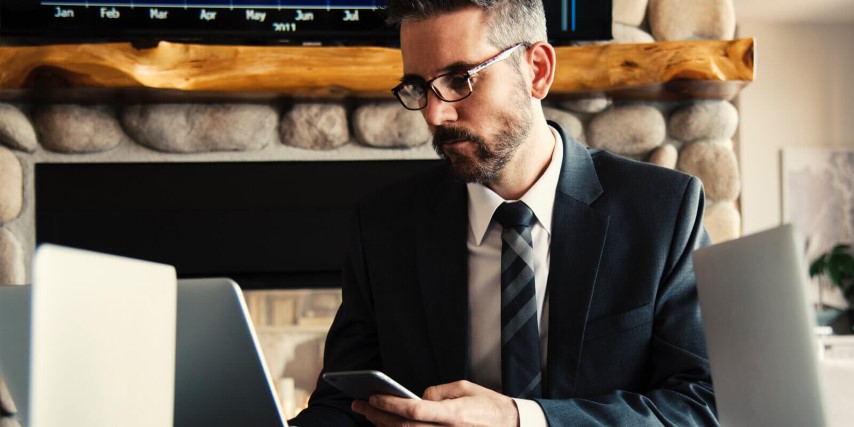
(247, 22)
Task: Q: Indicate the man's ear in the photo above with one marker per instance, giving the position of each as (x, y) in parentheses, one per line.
(541, 59)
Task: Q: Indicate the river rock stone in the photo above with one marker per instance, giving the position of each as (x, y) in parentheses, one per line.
(665, 156)
(630, 130)
(722, 221)
(389, 125)
(694, 19)
(11, 186)
(630, 12)
(590, 105)
(12, 268)
(567, 121)
(198, 128)
(716, 166)
(703, 121)
(628, 34)
(723, 142)
(68, 128)
(315, 126)
(16, 131)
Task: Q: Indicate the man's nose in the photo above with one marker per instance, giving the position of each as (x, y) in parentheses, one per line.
(438, 112)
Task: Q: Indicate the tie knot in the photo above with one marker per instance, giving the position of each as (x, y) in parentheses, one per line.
(514, 214)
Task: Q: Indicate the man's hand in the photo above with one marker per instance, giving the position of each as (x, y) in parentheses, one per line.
(461, 403)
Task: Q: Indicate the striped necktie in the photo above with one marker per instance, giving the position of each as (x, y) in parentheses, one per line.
(520, 339)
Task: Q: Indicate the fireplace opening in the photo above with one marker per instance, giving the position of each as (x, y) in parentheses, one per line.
(267, 225)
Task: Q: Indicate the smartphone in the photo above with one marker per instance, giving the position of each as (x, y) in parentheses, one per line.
(360, 385)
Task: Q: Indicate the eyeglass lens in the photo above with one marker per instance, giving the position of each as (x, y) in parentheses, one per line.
(452, 87)
(449, 87)
(413, 95)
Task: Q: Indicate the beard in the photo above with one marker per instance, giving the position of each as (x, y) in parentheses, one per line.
(489, 157)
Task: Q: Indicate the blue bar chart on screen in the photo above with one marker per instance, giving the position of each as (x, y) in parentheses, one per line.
(252, 22)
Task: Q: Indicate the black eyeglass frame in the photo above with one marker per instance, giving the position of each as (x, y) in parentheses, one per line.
(468, 74)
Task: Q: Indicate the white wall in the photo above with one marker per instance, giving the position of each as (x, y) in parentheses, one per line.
(803, 95)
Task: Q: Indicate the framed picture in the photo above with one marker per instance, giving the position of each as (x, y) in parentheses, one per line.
(818, 198)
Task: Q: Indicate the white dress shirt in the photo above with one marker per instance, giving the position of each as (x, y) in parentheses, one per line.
(484, 250)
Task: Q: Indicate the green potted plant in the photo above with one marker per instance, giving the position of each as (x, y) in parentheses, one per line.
(837, 265)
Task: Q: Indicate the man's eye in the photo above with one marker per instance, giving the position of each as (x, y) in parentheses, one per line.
(458, 82)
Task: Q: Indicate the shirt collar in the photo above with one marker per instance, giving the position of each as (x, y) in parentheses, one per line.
(540, 197)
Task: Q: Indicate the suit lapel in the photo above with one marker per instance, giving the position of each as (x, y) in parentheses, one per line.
(578, 238)
(443, 271)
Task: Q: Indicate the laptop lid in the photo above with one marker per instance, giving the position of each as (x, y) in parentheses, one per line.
(15, 344)
(221, 376)
(103, 340)
(759, 329)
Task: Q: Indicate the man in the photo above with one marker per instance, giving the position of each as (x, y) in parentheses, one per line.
(607, 256)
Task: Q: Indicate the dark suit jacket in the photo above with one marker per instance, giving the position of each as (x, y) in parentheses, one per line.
(626, 345)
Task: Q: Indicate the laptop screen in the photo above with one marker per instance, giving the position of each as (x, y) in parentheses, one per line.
(759, 328)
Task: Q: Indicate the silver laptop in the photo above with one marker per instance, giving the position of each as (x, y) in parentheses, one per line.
(102, 349)
(760, 331)
(221, 376)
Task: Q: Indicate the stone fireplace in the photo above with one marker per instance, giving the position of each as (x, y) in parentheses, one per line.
(653, 94)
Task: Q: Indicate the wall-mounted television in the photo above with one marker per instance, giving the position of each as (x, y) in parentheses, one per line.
(249, 22)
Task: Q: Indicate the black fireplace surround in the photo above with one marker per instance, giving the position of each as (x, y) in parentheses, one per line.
(267, 225)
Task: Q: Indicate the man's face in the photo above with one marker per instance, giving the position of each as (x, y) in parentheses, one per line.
(478, 135)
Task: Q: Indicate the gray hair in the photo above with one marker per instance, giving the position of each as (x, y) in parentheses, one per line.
(508, 21)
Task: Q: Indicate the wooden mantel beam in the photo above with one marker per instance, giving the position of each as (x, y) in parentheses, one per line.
(698, 69)
(632, 70)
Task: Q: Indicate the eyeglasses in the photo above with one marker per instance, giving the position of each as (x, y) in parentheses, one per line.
(449, 87)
